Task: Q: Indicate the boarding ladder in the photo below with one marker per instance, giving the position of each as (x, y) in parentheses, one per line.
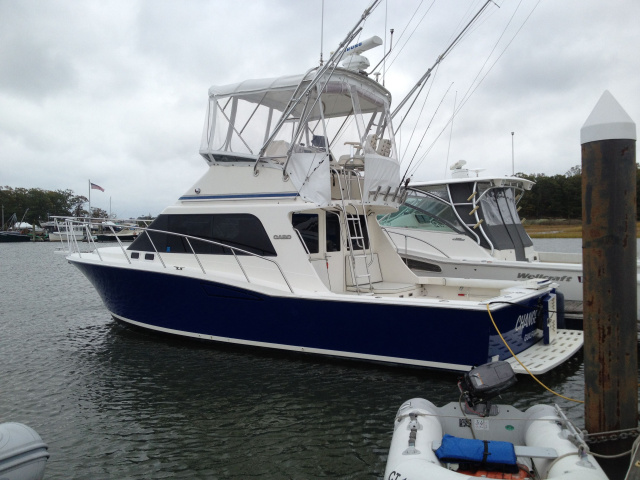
(353, 209)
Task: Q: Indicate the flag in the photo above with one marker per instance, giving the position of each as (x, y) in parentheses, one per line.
(96, 187)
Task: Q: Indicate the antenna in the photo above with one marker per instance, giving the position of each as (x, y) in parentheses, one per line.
(385, 57)
(459, 164)
(321, 32)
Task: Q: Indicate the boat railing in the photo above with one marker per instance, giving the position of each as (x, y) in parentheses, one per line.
(188, 238)
(406, 241)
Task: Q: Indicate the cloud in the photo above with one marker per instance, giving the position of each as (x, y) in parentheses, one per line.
(116, 91)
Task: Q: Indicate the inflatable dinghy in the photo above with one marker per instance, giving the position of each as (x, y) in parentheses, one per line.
(475, 438)
(23, 454)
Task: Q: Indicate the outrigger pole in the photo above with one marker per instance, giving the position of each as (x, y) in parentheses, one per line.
(331, 63)
(426, 76)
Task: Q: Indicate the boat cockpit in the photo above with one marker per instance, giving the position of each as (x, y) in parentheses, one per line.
(483, 209)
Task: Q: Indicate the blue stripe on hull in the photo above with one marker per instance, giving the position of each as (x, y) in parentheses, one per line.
(191, 306)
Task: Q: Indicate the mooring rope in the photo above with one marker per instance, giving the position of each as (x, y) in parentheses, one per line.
(523, 365)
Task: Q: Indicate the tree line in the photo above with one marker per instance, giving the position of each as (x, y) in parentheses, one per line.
(559, 196)
(34, 205)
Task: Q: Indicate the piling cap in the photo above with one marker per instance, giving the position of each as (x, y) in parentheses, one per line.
(608, 121)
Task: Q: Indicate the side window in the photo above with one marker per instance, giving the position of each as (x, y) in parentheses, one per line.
(307, 226)
(333, 232)
(241, 231)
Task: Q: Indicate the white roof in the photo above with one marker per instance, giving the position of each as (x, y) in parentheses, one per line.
(259, 85)
(276, 92)
(498, 181)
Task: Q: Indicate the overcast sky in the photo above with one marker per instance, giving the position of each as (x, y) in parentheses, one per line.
(116, 91)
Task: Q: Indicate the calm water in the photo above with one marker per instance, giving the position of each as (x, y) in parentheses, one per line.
(116, 403)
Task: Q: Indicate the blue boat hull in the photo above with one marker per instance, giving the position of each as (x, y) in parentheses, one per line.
(432, 336)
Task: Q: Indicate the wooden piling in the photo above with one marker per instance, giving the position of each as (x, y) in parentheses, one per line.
(608, 140)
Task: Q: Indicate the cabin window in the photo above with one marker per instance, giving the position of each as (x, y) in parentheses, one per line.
(308, 228)
(333, 232)
(240, 231)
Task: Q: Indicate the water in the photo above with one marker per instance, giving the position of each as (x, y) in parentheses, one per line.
(117, 403)
(565, 245)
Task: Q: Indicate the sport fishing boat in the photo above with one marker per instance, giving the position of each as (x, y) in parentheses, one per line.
(278, 245)
(477, 438)
(469, 226)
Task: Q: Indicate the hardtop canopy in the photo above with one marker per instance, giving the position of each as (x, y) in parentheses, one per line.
(277, 92)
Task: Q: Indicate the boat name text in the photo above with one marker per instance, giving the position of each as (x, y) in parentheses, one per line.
(525, 320)
(282, 237)
(530, 276)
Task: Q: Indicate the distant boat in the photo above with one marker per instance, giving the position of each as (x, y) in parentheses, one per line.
(12, 237)
(112, 232)
(65, 233)
(14, 231)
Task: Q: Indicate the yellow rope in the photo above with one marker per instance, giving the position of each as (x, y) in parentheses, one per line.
(514, 356)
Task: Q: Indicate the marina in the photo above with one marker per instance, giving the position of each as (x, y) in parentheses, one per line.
(269, 322)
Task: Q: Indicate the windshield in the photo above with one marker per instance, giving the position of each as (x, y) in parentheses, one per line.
(424, 212)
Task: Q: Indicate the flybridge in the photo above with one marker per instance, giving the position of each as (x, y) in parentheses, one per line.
(342, 124)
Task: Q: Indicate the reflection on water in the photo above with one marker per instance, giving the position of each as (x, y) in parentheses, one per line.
(117, 403)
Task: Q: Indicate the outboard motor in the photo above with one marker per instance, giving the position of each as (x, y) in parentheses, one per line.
(485, 382)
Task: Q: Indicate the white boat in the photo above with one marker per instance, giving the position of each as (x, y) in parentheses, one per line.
(469, 226)
(476, 438)
(60, 231)
(278, 246)
(75, 233)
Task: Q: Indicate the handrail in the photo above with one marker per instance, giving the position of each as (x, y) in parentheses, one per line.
(303, 242)
(234, 250)
(384, 229)
(118, 240)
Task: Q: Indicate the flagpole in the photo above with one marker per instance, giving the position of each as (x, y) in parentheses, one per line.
(89, 198)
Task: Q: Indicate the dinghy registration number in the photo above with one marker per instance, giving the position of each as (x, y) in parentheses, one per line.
(480, 424)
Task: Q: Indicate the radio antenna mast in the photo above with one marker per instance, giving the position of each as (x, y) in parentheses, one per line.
(321, 31)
